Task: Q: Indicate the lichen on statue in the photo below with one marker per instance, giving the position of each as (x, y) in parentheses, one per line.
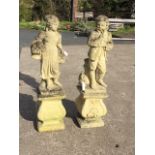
(47, 47)
(100, 42)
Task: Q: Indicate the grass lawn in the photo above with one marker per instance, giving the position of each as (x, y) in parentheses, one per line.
(127, 31)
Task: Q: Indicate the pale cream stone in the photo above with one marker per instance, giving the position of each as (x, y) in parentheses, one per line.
(90, 103)
(47, 48)
(92, 109)
(100, 42)
(51, 114)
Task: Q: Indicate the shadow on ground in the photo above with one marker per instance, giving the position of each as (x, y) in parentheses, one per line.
(29, 81)
(71, 110)
(29, 108)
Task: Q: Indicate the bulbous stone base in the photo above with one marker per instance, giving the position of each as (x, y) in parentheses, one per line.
(91, 108)
(51, 114)
(90, 123)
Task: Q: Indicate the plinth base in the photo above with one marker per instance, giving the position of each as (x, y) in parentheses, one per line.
(91, 107)
(51, 126)
(51, 113)
(90, 123)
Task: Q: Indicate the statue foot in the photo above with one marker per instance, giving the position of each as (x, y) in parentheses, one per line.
(50, 85)
(93, 86)
(102, 83)
(57, 83)
(42, 86)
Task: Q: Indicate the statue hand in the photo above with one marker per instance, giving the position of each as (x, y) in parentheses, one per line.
(64, 53)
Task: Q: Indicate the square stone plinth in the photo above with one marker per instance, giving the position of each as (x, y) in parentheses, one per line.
(91, 107)
(51, 125)
(51, 114)
(94, 93)
(90, 123)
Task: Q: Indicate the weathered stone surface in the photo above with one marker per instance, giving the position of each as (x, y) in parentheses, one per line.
(47, 47)
(90, 123)
(95, 93)
(51, 114)
(91, 108)
(93, 89)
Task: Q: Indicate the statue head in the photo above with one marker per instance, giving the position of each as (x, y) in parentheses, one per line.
(52, 22)
(102, 23)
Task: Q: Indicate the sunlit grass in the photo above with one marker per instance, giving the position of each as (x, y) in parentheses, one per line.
(72, 26)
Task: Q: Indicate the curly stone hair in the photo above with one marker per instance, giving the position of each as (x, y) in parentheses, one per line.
(102, 18)
(51, 19)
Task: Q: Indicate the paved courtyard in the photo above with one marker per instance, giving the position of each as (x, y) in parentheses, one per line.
(115, 138)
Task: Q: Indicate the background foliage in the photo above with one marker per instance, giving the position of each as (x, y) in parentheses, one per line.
(37, 9)
(114, 8)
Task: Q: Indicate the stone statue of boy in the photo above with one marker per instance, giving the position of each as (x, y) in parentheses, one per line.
(100, 42)
(90, 103)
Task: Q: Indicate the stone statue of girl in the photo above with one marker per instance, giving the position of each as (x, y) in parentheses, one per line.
(48, 48)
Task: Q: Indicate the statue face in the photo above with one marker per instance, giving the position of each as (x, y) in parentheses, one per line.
(102, 25)
(53, 26)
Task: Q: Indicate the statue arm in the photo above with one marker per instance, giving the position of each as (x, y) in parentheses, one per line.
(37, 46)
(40, 36)
(39, 39)
(59, 45)
(110, 42)
(95, 40)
